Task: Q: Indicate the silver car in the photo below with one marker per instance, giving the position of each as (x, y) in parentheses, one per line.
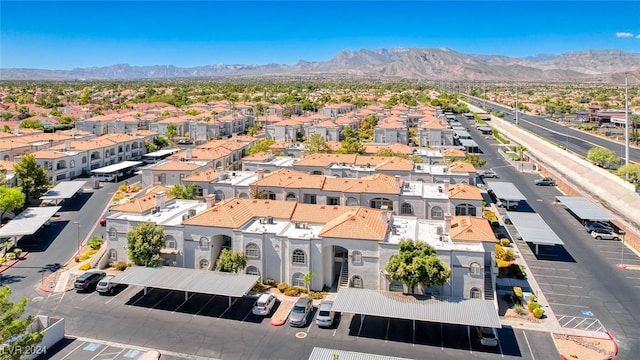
(325, 314)
(300, 312)
(106, 286)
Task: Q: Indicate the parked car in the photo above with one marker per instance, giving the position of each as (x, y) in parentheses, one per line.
(545, 181)
(486, 336)
(604, 235)
(488, 174)
(325, 314)
(300, 312)
(592, 226)
(88, 281)
(106, 286)
(264, 304)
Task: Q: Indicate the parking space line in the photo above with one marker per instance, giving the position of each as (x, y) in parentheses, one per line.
(546, 268)
(86, 297)
(203, 306)
(557, 277)
(580, 296)
(386, 337)
(101, 351)
(441, 337)
(227, 309)
(156, 304)
(561, 304)
(74, 350)
(189, 297)
(135, 302)
(110, 300)
(633, 278)
(246, 316)
(571, 286)
(528, 345)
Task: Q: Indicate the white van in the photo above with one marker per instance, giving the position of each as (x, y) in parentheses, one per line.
(104, 177)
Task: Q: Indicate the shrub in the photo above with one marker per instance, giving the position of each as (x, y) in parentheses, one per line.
(533, 306)
(121, 266)
(283, 286)
(532, 298)
(258, 287)
(84, 256)
(300, 289)
(95, 242)
(325, 288)
(500, 252)
(270, 282)
(118, 196)
(91, 252)
(315, 295)
(518, 271)
(519, 309)
(122, 188)
(503, 264)
(505, 242)
(2, 260)
(517, 291)
(10, 256)
(17, 251)
(538, 313)
(509, 255)
(85, 266)
(291, 292)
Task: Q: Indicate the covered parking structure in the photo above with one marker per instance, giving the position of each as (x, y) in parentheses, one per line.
(455, 311)
(506, 192)
(189, 280)
(533, 229)
(63, 191)
(28, 222)
(115, 170)
(319, 353)
(584, 209)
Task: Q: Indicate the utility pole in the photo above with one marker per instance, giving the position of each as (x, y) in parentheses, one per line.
(626, 123)
(516, 105)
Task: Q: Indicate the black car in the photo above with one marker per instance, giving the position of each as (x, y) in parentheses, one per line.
(88, 281)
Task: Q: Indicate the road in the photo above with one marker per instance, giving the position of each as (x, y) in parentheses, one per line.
(579, 279)
(575, 140)
(55, 244)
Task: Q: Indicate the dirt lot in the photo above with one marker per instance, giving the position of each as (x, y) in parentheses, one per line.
(574, 347)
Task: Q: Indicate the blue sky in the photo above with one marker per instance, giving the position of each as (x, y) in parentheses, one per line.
(66, 35)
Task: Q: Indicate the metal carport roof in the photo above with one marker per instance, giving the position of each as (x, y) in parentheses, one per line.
(330, 354)
(584, 209)
(63, 190)
(116, 167)
(506, 191)
(474, 312)
(533, 229)
(29, 221)
(188, 280)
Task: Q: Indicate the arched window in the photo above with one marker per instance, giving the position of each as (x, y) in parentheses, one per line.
(72, 163)
(199, 191)
(356, 257)
(218, 165)
(113, 255)
(204, 242)
(113, 234)
(476, 293)
(406, 209)
(437, 213)
(84, 159)
(169, 242)
(243, 195)
(219, 195)
(475, 268)
(127, 148)
(356, 282)
(396, 286)
(204, 264)
(290, 197)
(298, 257)
(6, 158)
(297, 279)
(465, 209)
(252, 270)
(269, 195)
(252, 250)
(316, 172)
(351, 201)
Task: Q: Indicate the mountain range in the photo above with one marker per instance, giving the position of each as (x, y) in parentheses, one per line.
(606, 66)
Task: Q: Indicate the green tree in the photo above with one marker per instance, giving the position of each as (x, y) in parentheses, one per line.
(232, 261)
(172, 131)
(307, 279)
(473, 159)
(10, 199)
(417, 159)
(187, 192)
(351, 146)
(67, 119)
(160, 142)
(316, 144)
(144, 243)
(261, 146)
(417, 263)
(630, 172)
(602, 156)
(192, 112)
(32, 178)
(30, 124)
(15, 337)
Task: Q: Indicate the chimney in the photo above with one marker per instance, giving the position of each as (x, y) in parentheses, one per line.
(160, 199)
(398, 181)
(260, 174)
(445, 186)
(73, 133)
(67, 145)
(211, 200)
(188, 154)
(385, 216)
(234, 137)
(447, 222)
(269, 155)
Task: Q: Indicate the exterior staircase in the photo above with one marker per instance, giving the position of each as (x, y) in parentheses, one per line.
(488, 286)
(344, 273)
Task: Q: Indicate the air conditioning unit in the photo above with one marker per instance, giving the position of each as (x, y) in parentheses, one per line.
(297, 225)
(157, 209)
(185, 217)
(192, 212)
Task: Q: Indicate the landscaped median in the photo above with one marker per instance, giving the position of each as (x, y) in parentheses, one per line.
(279, 318)
(585, 347)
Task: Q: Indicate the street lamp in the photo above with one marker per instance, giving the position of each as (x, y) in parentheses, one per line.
(621, 265)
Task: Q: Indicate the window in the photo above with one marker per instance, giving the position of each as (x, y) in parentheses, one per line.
(333, 201)
(475, 268)
(204, 242)
(270, 195)
(169, 242)
(406, 209)
(356, 282)
(351, 201)
(252, 270)
(396, 286)
(290, 197)
(243, 195)
(297, 279)
(316, 172)
(465, 209)
(113, 234)
(219, 195)
(380, 203)
(199, 191)
(476, 293)
(436, 213)
(204, 264)
(299, 257)
(309, 198)
(113, 255)
(356, 257)
(72, 164)
(252, 250)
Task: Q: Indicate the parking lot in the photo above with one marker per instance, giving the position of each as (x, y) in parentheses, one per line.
(84, 349)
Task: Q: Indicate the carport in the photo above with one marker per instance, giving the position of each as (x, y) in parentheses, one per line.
(319, 353)
(28, 222)
(188, 280)
(63, 190)
(533, 229)
(584, 209)
(456, 311)
(506, 191)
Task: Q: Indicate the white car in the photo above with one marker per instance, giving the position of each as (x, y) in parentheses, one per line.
(488, 174)
(264, 304)
(486, 336)
(325, 314)
(604, 235)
